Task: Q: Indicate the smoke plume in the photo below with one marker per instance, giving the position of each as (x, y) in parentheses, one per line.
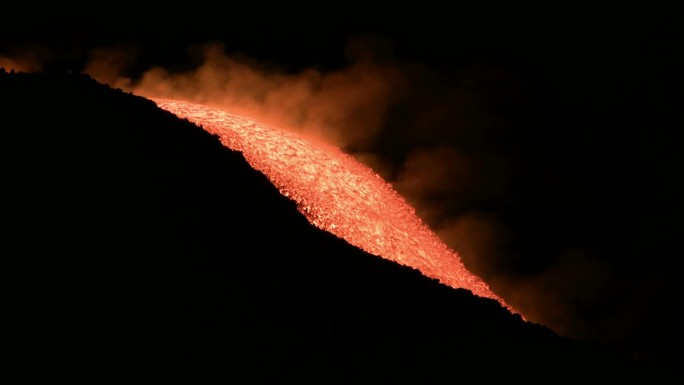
(25, 59)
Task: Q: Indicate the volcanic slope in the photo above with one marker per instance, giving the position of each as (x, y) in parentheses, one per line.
(139, 241)
(338, 194)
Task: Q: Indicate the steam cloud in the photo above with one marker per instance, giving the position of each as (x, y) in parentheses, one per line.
(432, 135)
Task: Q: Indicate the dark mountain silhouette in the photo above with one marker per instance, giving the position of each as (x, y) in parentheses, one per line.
(136, 241)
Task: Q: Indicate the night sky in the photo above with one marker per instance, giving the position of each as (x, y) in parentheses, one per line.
(547, 155)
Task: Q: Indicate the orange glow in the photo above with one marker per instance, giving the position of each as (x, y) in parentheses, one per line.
(338, 194)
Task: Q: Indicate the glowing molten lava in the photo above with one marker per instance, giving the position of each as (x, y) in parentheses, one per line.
(338, 194)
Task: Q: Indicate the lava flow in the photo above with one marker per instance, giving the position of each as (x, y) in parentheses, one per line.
(338, 194)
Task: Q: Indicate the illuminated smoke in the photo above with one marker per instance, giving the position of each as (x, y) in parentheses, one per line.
(106, 65)
(25, 59)
(345, 107)
(338, 194)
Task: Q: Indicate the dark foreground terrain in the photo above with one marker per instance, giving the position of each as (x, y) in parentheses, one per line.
(136, 243)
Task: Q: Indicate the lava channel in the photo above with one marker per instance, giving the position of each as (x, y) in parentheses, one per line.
(338, 194)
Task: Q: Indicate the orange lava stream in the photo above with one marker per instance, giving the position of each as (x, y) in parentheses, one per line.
(338, 194)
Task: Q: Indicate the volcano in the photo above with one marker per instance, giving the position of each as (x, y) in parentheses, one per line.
(138, 241)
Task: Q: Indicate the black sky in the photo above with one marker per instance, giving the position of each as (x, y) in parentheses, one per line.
(573, 132)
